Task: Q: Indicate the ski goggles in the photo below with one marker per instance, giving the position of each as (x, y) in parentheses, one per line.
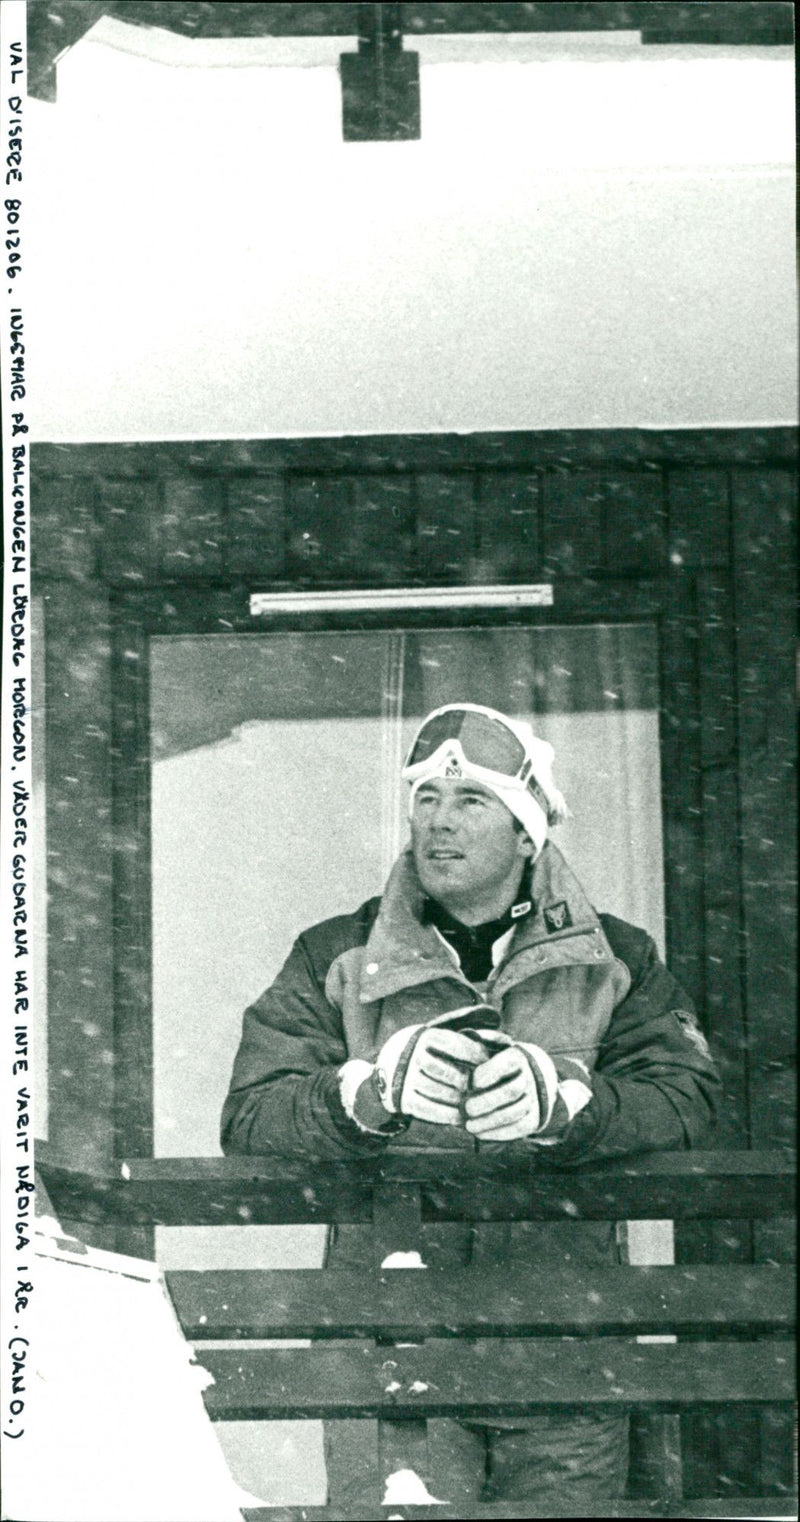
(484, 747)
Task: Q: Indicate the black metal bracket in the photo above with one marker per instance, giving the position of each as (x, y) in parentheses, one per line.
(380, 83)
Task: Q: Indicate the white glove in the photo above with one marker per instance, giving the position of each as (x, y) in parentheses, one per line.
(422, 1071)
(518, 1092)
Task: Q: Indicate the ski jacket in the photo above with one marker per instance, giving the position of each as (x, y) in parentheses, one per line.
(582, 985)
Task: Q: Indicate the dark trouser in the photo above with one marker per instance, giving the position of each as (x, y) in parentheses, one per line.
(572, 1459)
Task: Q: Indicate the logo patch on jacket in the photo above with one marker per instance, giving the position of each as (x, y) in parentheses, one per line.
(557, 917)
(692, 1030)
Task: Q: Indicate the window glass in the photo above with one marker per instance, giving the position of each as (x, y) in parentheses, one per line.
(277, 801)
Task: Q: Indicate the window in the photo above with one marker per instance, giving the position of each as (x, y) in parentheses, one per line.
(277, 800)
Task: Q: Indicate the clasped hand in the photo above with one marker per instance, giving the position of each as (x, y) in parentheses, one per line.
(502, 1102)
(479, 1080)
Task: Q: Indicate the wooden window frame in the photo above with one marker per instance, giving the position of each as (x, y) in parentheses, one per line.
(139, 616)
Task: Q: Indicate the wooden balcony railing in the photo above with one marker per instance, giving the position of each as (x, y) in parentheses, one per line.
(732, 1322)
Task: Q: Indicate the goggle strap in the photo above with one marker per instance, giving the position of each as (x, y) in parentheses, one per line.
(539, 794)
(536, 791)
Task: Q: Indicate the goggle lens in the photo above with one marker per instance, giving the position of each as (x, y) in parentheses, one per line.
(485, 741)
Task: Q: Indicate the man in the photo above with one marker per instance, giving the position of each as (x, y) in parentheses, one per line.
(480, 1000)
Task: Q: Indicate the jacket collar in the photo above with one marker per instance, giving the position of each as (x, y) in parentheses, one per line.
(402, 952)
(562, 929)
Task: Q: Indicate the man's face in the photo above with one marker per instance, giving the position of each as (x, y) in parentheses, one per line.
(467, 851)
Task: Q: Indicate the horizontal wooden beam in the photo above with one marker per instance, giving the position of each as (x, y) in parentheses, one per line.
(739, 1506)
(558, 449)
(398, 1304)
(732, 21)
(513, 1379)
(456, 1186)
